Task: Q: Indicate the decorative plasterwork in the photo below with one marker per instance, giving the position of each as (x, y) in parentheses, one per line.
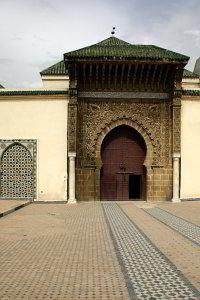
(72, 121)
(176, 121)
(122, 95)
(176, 128)
(149, 143)
(94, 116)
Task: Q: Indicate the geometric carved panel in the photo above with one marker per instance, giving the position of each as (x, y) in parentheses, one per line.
(72, 119)
(176, 129)
(93, 116)
(17, 170)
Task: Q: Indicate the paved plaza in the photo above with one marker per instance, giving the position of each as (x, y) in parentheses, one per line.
(107, 250)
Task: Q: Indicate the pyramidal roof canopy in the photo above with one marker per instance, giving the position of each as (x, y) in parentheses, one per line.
(114, 48)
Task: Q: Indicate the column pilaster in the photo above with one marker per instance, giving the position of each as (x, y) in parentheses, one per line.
(72, 132)
(72, 183)
(176, 133)
(176, 177)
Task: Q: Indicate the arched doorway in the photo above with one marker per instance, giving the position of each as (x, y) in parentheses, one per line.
(16, 180)
(123, 152)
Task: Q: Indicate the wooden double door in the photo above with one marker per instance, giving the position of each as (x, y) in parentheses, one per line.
(123, 153)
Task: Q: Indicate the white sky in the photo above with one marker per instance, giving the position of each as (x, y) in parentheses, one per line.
(34, 34)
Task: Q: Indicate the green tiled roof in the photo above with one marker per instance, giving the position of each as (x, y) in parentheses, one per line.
(56, 69)
(36, 92)
(189, 74)
(191, 92)
(116, 48)
(1, 86)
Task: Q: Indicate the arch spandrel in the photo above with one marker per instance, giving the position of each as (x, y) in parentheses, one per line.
(145, 115)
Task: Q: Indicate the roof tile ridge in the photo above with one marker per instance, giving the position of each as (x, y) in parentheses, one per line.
(52, 66)
(101, 43)
(161, 48)
(191, 72)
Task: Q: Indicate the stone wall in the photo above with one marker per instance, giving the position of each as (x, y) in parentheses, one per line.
(85, 184)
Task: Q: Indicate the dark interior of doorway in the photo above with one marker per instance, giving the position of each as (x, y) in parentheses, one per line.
(134, 187)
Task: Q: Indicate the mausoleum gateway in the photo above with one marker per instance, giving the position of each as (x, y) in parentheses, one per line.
(113, 121)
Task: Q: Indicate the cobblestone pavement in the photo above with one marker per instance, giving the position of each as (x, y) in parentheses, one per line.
(150, 275)
(93, 251)
(187, 229)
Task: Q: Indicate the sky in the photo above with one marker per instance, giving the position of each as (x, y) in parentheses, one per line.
(34, 34)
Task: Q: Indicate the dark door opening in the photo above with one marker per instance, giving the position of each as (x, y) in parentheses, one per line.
(123, 153)
(134, 186)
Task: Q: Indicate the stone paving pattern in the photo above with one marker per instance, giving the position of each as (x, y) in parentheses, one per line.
(59, 251)
(184, 254)
(186, 210)
(7, 205)
(187, 229)
(151, 275)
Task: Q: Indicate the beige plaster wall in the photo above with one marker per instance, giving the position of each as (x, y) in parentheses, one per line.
(191, 84)
(55, 82)
(43, 118)
(190, 148)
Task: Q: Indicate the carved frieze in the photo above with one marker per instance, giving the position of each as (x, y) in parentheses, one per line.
(93, 116)
(176, 117)
(124, 95)
(167, 127)
(72, 124)
(176, 110)
(176, 129)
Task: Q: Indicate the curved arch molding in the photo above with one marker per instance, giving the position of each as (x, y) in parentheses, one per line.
(149, 143)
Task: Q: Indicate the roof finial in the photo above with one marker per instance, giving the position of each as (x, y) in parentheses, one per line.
(113, 31)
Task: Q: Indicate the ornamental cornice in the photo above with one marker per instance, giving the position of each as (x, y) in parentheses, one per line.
(123, 95)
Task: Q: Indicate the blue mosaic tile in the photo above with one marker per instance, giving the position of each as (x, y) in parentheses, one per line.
(147, 272)
(187, 229)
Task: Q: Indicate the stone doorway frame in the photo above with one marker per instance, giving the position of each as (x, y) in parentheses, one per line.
(148, 160)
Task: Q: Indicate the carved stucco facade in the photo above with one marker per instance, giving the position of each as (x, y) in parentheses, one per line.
(71, 116)
(151, 118)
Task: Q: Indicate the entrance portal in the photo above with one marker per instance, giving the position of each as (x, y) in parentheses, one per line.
(123, 153)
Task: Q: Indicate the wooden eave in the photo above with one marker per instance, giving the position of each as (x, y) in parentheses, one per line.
(123, 61)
